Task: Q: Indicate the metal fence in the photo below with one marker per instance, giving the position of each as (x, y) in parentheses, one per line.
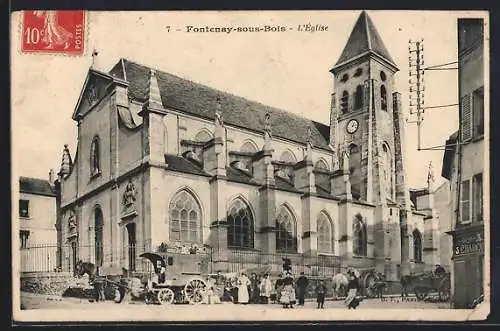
(44, 258)
(316, 265)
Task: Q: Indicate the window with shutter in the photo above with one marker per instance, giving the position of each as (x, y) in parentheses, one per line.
(477, 198)
(466, 125)
(478, 112)
(465, 210)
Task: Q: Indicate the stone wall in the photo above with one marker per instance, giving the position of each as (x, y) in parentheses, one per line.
(50, 283)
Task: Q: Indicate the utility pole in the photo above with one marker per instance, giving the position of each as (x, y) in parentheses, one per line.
(416, 90)
(416, 84)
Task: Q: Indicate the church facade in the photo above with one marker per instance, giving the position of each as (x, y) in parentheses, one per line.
(162, 160)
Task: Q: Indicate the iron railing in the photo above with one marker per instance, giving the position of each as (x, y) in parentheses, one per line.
(47, 257)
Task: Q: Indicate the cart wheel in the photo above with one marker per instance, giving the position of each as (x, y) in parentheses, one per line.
(165, 296)
(194, 291)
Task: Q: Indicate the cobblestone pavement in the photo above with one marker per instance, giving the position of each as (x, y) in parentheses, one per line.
(33, 301)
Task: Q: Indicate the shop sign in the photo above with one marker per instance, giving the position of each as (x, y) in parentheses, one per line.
(469, 245)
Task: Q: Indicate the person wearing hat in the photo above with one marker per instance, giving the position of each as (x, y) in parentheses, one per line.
(302, 283)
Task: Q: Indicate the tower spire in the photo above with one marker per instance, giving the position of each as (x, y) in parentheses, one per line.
(364, 39)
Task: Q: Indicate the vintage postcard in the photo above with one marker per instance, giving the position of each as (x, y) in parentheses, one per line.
(250, 166)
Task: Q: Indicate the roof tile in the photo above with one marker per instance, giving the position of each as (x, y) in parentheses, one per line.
(364, 37)
(200, 100)
(36, 186)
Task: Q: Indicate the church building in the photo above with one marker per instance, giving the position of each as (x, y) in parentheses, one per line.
(162, 160)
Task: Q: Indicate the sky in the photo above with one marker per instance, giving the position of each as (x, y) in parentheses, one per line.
(288, 70)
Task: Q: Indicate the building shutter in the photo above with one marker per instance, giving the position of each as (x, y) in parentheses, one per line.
(478, 112)
(466, 125)
(477, 197)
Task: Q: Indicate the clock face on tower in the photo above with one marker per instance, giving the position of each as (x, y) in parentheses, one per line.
(352, 126)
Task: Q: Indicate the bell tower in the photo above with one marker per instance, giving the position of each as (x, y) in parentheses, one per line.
(365, 123)
(362, 112)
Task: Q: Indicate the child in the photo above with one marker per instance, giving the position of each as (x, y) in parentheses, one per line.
(320, 294)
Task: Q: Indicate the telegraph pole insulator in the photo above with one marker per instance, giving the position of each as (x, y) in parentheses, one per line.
(416, 83)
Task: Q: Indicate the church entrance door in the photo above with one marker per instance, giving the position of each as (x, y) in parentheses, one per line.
(131, 246)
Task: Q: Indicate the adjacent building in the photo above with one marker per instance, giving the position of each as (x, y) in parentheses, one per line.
(37, 224)
(464, 167)
(162, 161)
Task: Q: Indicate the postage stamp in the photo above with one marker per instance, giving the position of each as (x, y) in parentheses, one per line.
(247, 166)
(53, 31)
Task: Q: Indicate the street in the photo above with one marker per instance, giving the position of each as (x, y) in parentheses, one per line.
(33, 301)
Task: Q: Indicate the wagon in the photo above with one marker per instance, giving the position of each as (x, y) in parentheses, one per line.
(426, 283)
(181, 288)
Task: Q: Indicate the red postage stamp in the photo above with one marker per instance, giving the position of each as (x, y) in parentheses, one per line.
(50, 31)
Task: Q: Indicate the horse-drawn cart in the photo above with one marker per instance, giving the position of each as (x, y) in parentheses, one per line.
(171, 288)
(426, 283)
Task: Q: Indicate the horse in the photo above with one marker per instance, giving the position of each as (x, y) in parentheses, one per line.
(340, 282)
(82, 268)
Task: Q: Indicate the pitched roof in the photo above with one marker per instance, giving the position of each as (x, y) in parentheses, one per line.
(200, 100)
(239, 176)
(178, 163)
(364, 38)
(36, 186)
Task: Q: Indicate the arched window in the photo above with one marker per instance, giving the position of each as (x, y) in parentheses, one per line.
(359, 236)
(383, 98)
(98, 236)
(417, 246)
(248, 147)
(286, 236)
(94, 156)
(325, 233)
(203, 135)
(344, 102)
(185, 218)
(288, 157)
(240, 225)
(321, 165)
(358, 97)
(387, 169)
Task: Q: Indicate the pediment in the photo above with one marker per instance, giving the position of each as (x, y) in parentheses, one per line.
(96, 86)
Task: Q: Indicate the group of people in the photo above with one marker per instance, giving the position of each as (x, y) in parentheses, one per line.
(245, 290)
(287, 291)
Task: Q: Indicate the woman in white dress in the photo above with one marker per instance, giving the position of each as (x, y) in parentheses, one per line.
(243, 283)
(265, 289)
